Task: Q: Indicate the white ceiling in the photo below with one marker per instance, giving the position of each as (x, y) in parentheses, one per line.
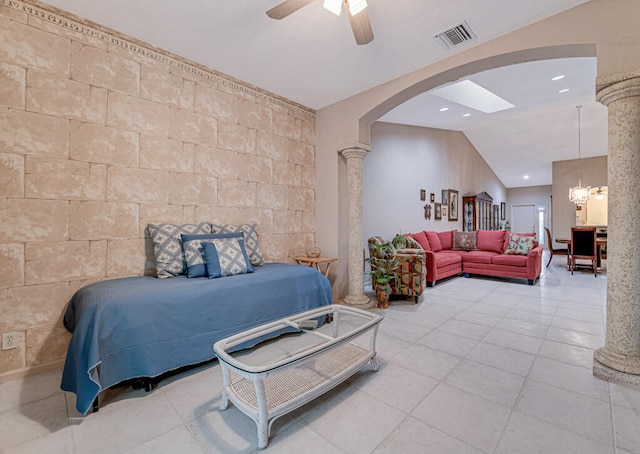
(541, 128)
(311, 57)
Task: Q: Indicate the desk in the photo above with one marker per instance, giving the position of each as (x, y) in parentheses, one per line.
(600, 241)
(314, 262)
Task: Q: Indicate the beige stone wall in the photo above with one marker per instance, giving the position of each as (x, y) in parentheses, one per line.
(100, 135)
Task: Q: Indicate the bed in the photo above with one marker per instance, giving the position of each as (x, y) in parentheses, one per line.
(144, 326)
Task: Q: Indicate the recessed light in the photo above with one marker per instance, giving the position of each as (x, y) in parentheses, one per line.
(561, 76)
(444, 109)
(564, 90)
(526, 177)
(466, 115)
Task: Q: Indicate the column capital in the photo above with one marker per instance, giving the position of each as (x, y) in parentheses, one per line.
(614, 87)
(358, 150)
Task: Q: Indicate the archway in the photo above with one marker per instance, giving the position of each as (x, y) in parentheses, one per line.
(416, 85)
(467, 69)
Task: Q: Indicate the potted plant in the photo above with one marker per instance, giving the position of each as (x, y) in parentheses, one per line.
(400, 242)
(383, 272)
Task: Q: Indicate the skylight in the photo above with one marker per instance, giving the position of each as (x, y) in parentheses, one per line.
(472, 95)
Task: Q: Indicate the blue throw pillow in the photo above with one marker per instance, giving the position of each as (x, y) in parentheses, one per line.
(194, 253)
(226, 257)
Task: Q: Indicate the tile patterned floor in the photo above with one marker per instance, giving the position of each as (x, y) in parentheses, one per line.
(478, 366)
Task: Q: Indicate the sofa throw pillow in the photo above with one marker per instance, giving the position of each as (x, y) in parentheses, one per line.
(464, 241)
(421, 239)
(519, 245)
(194, 251)
(250, 239)
(508, 239)
(491, 240)
(167, 246)
(434, 241)
(446, 239)
(226, 257)
(412, 244)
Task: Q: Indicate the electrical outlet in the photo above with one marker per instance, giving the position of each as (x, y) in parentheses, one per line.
(9, 341)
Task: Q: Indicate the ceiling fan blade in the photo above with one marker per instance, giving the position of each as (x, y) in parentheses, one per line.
(282, 10)
(361, 27)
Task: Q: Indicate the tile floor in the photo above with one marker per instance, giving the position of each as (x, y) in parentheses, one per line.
(478, 366)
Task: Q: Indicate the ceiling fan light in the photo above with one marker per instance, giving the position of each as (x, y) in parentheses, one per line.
(355, 6)
(335, 6)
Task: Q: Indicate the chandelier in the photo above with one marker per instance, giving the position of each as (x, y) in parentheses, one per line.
(578, 194)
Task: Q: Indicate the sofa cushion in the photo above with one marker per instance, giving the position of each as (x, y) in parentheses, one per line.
(434, 241)
(464, 241)
(446, 239)
(447, 258)
(510, 260)
(491, 240)
(479, 257)
(421, 238)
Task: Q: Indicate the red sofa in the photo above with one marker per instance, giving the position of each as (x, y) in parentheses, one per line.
(488, 257)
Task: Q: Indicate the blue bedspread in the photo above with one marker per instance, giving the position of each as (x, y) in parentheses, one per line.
(144, 326)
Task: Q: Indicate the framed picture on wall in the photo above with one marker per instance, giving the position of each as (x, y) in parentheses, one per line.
(453, 205)
(503, 209)
(445, 197)
(432, 198)
(444, 211)
(438, 211)
(423, 195)
(427, 211)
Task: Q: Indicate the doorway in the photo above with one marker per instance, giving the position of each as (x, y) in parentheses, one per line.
(524, 218)
(530, 217)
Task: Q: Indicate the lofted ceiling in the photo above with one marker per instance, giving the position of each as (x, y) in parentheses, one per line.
(311, 57)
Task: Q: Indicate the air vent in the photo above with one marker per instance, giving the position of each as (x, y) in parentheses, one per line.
(455, 36)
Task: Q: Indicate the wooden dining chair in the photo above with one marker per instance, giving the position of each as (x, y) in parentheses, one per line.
(584, 246)
(552, 250)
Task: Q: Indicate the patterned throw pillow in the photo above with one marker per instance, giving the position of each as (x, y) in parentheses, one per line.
(464, 241)
(520, 245)
(167, 246)
(226, 257)
(412, 244)
(194, 251)
(250, 239)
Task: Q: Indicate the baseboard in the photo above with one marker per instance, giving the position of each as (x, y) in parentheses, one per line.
(33, 370)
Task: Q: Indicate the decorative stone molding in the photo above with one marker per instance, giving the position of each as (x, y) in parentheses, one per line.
(92, 30)
(619, 359)
(354, 156)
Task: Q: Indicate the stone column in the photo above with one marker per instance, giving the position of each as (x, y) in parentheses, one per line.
(354, 156)
(619, 359)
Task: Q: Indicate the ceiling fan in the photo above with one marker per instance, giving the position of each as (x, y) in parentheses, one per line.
(601, 192)
(358, 17)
